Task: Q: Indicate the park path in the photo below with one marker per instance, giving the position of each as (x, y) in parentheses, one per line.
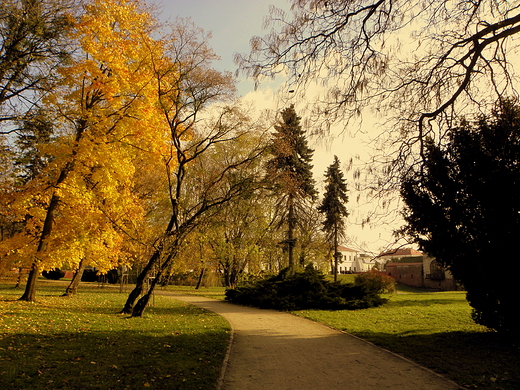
(273, 350)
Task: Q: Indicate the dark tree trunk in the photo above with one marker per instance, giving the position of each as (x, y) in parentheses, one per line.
(30, 288)
(230, 273)
(336, 253)
(139, 285)
(72, 289)
(201, 276)
(142, 303)
(227, 278)
(290, 236)
(19, 278)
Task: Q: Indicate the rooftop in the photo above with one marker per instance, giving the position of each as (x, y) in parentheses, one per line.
(401, 252)
(345, 249)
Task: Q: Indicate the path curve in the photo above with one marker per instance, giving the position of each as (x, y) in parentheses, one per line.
(273, 350)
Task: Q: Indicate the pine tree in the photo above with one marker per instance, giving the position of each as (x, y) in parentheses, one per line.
(333, 206)
(291, 170)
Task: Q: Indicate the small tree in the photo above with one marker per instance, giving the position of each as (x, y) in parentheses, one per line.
(333, 207)
(463, 208)
(291, 170)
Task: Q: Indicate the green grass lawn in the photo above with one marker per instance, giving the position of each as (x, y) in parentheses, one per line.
(83, 342)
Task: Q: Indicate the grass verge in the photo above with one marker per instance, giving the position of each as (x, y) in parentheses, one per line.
(83, 343)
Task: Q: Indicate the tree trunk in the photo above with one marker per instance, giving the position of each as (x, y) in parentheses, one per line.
(30, 288)
(227, 278)
(142, 303)
(201, 276)
(139, 285)
(233, 277)
(335, 253)
(290, 236)
(72, 289)
(19, 278)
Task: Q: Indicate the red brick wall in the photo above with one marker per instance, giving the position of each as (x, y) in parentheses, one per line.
(410, 274)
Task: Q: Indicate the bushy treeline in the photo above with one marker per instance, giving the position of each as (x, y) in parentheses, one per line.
(310, 290)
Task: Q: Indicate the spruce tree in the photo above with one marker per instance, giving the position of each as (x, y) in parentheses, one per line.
(291, 171)
(333, 207)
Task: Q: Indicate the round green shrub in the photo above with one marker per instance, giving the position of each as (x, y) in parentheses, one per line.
(307, 290)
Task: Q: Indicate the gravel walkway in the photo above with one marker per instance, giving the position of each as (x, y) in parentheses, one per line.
(272, 350)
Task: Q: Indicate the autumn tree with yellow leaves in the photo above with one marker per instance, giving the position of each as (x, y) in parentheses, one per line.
(132, 104)
(106, 118)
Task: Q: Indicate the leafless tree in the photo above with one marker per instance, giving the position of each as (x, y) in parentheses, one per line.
(196, 101)
(415, 63)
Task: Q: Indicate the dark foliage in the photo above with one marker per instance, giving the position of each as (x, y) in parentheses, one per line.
(112, 276)
(55, 274)
(291, 163)
(305, 290)
(291, 171)
(92, 275)
(89, 275)
(33, 133)
(333, 207)
(463, 208)
(334, 199)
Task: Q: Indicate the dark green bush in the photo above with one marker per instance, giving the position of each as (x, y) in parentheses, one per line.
(54, 274)
(89, 275)
(305, 290)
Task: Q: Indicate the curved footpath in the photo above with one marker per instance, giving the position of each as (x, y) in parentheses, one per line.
(273, 350)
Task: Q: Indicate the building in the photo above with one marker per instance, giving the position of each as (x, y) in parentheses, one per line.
(413, 268)
(398, 254)
(352, 261)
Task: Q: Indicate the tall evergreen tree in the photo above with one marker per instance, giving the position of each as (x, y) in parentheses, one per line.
(463, 208)
(333, 207)
(291, 170)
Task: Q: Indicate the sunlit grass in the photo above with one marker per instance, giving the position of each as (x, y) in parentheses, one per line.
(405, 315)
(83, 342)
(209, 292)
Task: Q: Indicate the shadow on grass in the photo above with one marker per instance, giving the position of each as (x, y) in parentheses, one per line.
(474, 360)
(427, 301)
(110, 360)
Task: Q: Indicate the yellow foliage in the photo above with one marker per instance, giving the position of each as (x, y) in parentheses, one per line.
(109, 120)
